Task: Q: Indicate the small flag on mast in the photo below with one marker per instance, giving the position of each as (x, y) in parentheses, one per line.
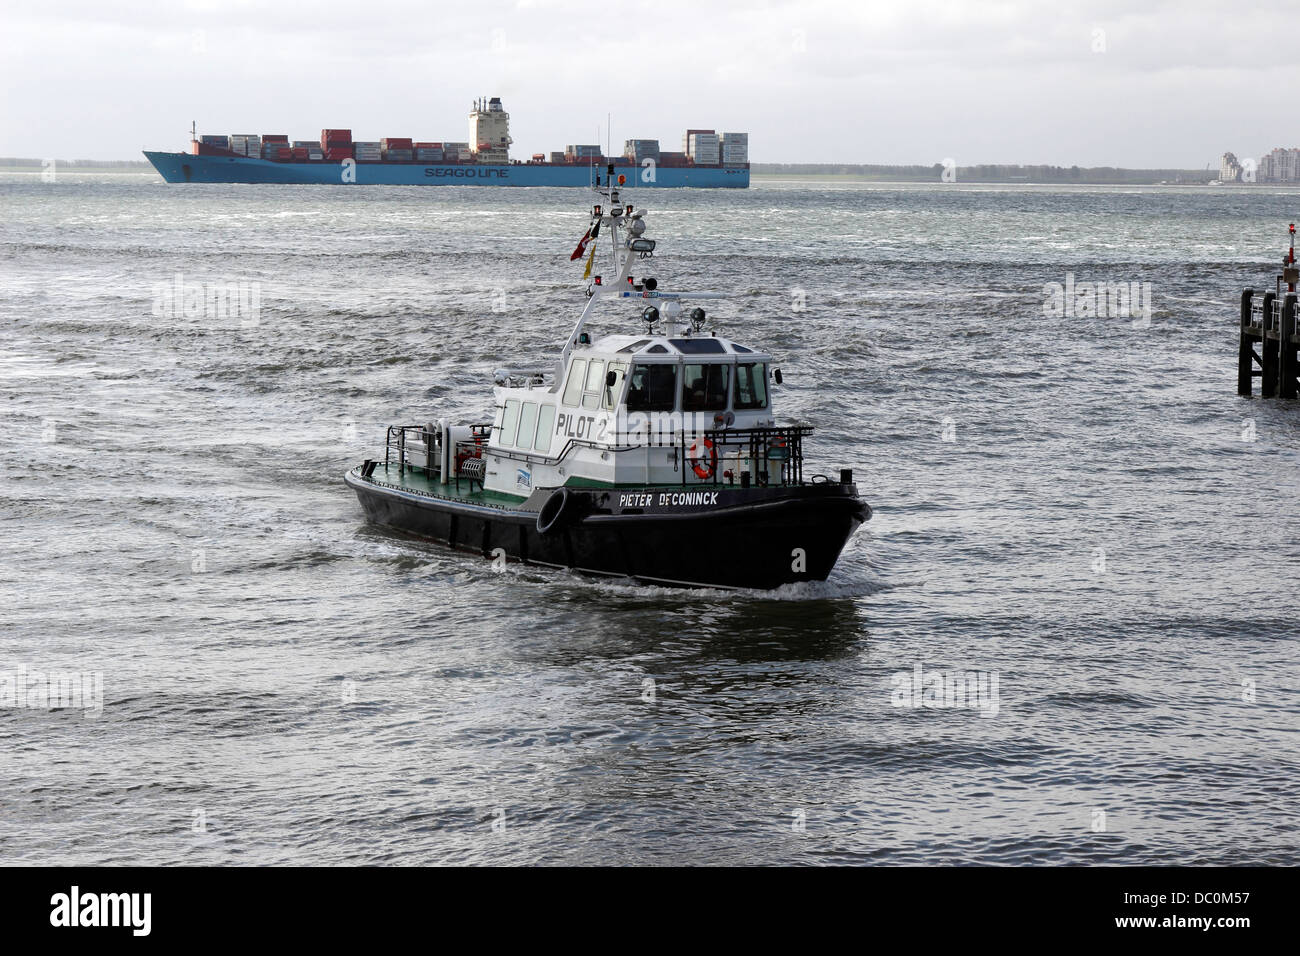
(582, 246)
(586, 274)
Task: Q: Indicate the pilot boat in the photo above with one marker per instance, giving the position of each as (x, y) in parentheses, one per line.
(652, 455)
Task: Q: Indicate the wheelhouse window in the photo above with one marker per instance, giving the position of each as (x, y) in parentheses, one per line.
(652, 388)
(704, 387)
(751, 385)
(545, 425)
(573, 388)
(527, 424)
(509, 423)
(595, 384)
(611, 393)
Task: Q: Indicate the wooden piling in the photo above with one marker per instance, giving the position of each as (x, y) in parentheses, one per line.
(1286, 348)
(1246, 348)
(1267, 348)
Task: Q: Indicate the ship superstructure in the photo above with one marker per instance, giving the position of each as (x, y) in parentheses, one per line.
(707, 160)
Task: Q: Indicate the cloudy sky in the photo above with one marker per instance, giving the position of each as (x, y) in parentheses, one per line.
(1138, 83)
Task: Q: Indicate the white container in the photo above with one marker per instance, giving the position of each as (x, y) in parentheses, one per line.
(703, 148)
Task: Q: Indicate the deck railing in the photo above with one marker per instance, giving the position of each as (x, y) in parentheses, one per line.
(768, 455)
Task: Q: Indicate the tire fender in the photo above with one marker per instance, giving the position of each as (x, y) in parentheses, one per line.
(557, 512)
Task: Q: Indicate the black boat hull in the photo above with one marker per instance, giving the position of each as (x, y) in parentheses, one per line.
(723, 537)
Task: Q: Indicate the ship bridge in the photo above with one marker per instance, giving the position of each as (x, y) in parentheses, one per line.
(489, 131)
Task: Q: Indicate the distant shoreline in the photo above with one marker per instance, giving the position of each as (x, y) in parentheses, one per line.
(901, 181)
(1039, 175)
(824, 172)
(104, 165)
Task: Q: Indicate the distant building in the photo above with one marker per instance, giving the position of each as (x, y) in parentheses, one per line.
(1229, 168)
(1279, 166)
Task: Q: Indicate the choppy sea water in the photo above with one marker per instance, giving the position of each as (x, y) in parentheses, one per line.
(1078, 506)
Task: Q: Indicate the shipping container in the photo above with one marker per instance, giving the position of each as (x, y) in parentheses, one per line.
(557, 156)
(246, 144)
(686, 138)
(275, 138)
(641, 149)
(396, 142)
(701, 141)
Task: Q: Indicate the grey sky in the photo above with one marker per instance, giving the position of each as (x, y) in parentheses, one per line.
(812, 81)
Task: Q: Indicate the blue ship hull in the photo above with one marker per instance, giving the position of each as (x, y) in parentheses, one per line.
(187, 168)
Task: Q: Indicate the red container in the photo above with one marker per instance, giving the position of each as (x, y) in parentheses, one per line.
(299, 152)
(395, 143)
(274, 138)
(338, 152)
(426, 146)
(284, 152)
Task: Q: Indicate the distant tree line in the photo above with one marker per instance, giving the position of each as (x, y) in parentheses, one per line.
(991, 173)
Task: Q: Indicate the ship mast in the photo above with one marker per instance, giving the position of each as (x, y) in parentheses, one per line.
(611, 215)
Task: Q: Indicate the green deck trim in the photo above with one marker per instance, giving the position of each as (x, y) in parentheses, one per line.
(419, 481)
(416, 479)
(576, 482)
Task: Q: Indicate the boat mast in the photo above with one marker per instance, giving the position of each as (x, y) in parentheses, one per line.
(610, 216)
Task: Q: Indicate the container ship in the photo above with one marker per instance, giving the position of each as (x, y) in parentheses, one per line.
(707, 160)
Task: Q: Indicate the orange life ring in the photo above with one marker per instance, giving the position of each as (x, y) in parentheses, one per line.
(703, 468)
